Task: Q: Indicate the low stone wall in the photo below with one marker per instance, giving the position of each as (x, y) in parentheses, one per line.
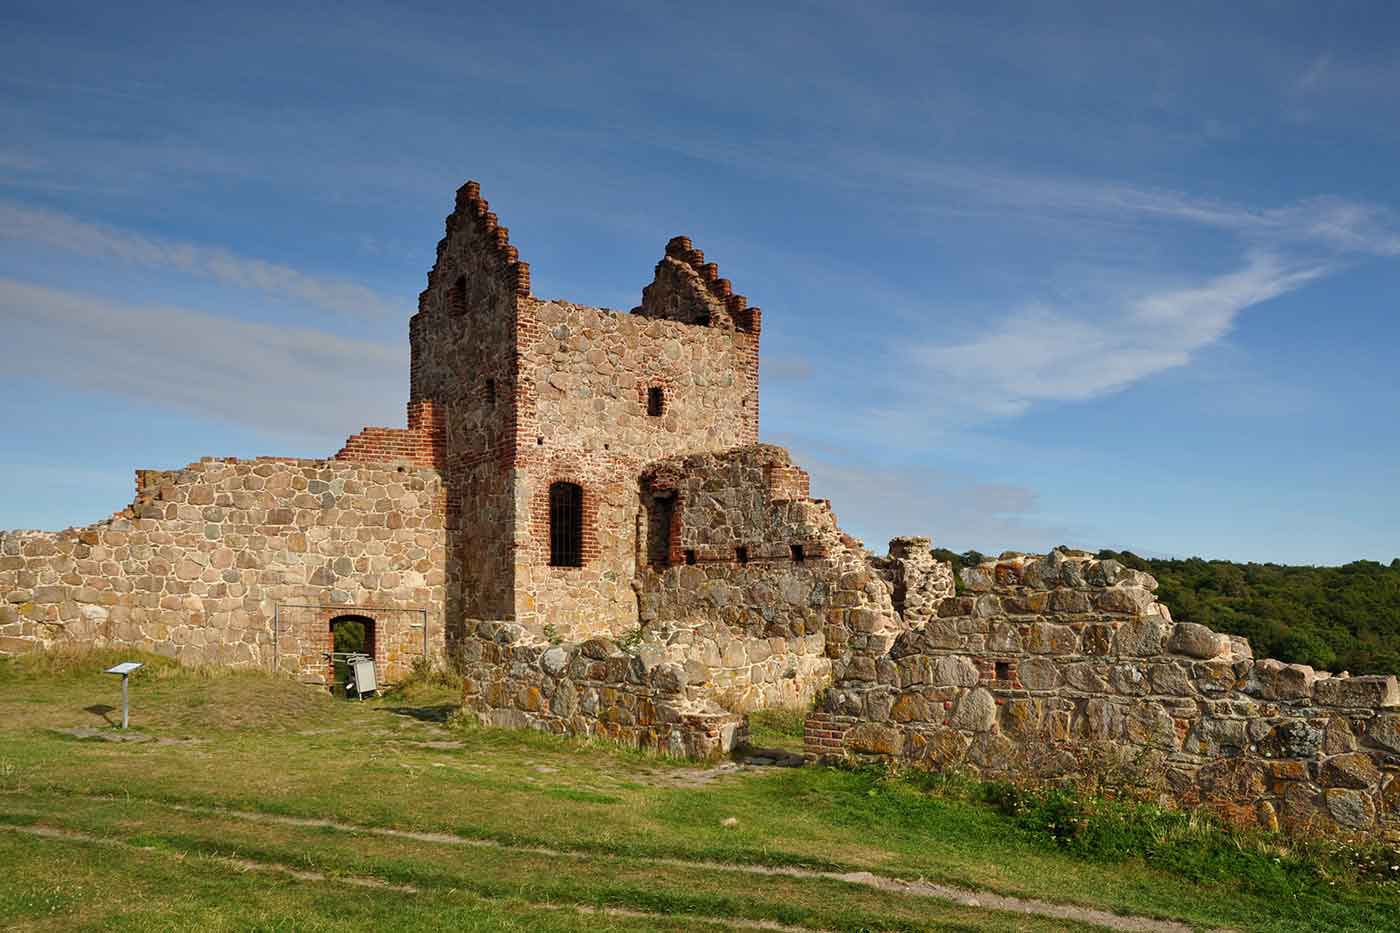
(1066, 665)
(514, 678)
(240, 563)
(742, 673)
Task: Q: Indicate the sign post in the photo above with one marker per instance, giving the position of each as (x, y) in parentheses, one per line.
(125, 668)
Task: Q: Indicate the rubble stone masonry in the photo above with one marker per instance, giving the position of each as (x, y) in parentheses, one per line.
(241, 564)
(1066, 665)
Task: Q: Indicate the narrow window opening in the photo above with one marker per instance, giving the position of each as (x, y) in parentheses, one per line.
(656, 401)
(490, 391)
(741, 554)
(1003, 670)
(689, 556)
(540, 440)
(799, 554)
(566, 525)
(703, 319)
(661, 512)
(457, 297)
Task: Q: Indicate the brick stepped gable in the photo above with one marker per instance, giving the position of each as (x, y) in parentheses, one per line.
(472, 208)
(683, 269)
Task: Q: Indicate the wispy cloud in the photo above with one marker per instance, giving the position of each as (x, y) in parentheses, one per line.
(287, 380)
(1332, 222)
(64, 232)
(1043, 353)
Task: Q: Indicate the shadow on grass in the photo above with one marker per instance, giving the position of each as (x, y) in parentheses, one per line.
(101, 709)
(439, 713)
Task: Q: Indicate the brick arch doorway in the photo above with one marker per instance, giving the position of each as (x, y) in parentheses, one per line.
(348, 632)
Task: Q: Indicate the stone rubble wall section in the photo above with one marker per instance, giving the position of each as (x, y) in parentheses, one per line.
(918, 583)
(197, 565)
(1066, 665)
(741, 672)
(515, 679)
(758, 630)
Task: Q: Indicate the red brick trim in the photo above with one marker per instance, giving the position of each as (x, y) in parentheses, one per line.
(539, 520)
(423, 442)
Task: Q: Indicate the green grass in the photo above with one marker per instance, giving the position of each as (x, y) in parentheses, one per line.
(776, 728)
(253, 743)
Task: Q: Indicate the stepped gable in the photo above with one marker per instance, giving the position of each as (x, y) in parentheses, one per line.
(689, 289)
(472, 215)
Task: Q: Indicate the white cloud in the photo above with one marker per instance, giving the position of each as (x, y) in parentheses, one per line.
(1331, 222)
(61, 231)
(1048, 354)
(292, 381)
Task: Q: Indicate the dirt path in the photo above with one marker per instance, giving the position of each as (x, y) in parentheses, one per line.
(963, 896)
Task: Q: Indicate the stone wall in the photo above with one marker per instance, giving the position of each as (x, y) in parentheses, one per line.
(586, 374)
(748, 582)
(217, 562)
(515, 678)
(918, 583)
(1064, 664)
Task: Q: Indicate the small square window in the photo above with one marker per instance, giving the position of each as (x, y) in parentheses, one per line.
(741, 554)
(689, 556)
(1003, 670)
(799, 554)
(656, 401)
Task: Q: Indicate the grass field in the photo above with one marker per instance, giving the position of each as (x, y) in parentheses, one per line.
(255, 803)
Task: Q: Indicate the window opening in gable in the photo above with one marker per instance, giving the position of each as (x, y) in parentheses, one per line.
(457, 297)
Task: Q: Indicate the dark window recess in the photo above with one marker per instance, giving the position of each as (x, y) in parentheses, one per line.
(457, 298)
(656, 401)
(490, 391)
(566, 525)
(741, 554)
(1003, 670)
(703, 319)
(661, 513)
(799, 554)
(689, 556)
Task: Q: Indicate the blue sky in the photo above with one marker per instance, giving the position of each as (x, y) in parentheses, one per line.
(1055, 273)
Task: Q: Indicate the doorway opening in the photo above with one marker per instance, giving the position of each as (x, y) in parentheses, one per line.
(348, 635)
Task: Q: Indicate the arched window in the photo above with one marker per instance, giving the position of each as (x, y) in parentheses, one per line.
(566, 525)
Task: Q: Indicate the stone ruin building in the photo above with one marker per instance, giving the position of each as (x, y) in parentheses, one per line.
(580, 519)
